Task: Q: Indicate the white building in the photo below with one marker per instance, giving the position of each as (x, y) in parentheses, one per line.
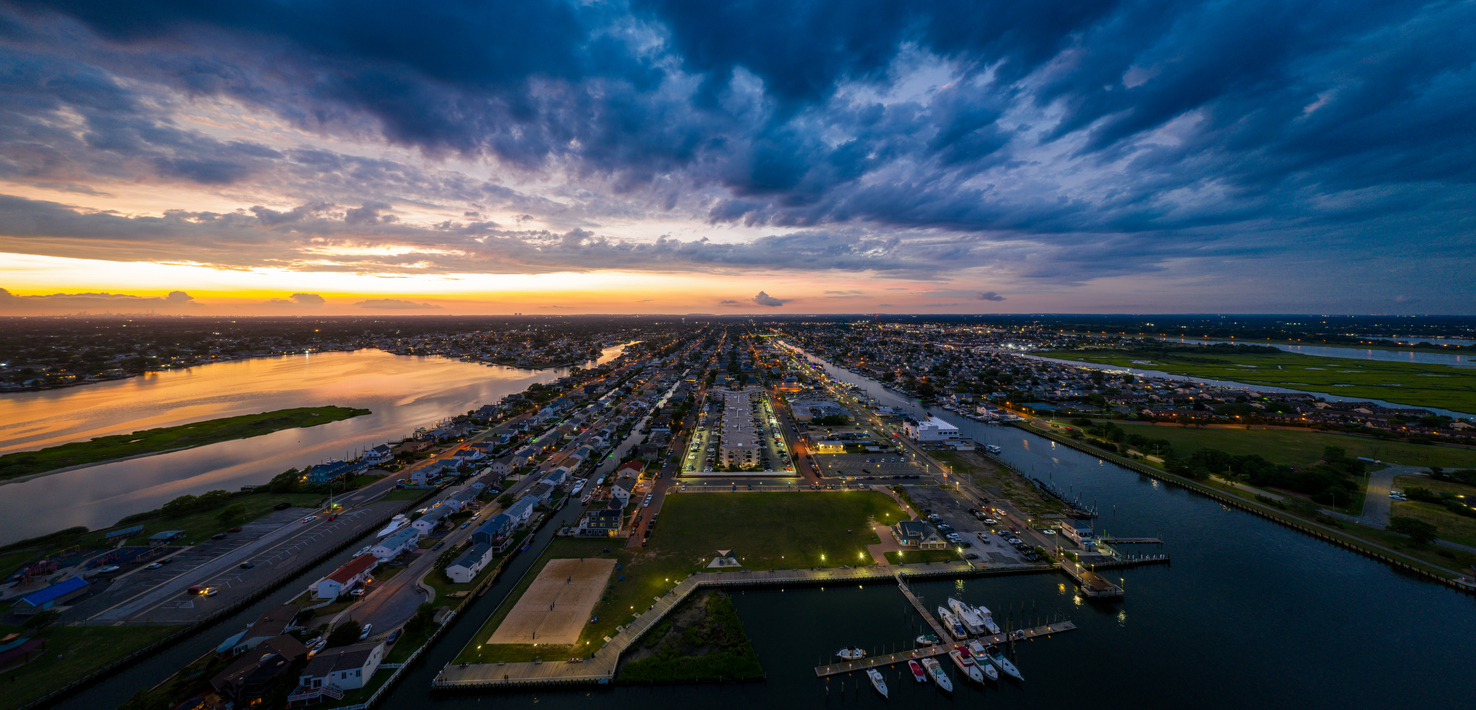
(393, 545)
(929, 430)
(433, 517)
(351, 573)
(465, 568)
(347, 667)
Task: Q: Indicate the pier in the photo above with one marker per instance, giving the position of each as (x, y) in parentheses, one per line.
(1131, 541)
(861, 664)
(1091, 584)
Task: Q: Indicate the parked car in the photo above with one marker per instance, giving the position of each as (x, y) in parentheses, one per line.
(368, 629)
(218, 536)
(210, 591)
(234, 530)
(109, 569)
(394, 636)
(155, 565)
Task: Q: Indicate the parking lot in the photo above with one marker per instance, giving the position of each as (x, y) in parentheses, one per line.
(274, 545)
(952, 508)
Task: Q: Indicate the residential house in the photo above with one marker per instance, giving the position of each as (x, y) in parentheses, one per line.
(521, 511)
(324, 473)
(541, 492)
(394, 544)
(252, 676)
(431, 519)
(378, 455)
(339, 669)
(604, 522)
(271, 624)
(464, 568)
(344, 578)
(622, 489)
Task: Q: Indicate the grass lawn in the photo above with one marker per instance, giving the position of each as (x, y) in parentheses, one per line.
(1300, 447)
(1000, 481)
(200, 525)
(408, 494)
(108, 448)
(1456, 528)
(920, 556)
(83, 649)
(12, 561)
(766, 530)
(1406, 383)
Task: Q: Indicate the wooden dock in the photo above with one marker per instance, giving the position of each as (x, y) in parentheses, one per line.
(1091, 583)
(1132, 541)
(861, 664)
(938, 630)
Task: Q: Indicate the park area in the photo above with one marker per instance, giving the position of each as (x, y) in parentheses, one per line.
(1301, 447)
(764, 530)
(1409, 383)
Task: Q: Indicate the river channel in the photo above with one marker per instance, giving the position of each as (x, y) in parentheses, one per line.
(403, 393)
(1250, 614)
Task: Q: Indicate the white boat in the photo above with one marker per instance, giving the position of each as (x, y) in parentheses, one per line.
(977, 650)
(939, 676)
(950, 622)
(965, 663)
(877, 681)
(928, 640)
(397, 522)
(851, 653)
(993, 655)
(578, 486)
(967, 615)
(987, 616)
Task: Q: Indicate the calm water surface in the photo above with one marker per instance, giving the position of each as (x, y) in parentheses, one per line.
(403, 393)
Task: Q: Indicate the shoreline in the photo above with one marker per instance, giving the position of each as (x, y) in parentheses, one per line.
(65, 469)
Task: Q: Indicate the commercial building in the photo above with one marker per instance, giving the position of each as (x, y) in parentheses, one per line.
(931, 429)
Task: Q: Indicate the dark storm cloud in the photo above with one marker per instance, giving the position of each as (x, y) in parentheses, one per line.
(62, 303)
(990, 296)
(1064, 140)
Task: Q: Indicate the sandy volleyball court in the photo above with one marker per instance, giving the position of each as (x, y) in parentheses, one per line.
(558, 604)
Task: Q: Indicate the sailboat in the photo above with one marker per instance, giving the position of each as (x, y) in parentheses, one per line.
(994, 656)
(939, 676)
(967, 615)
(877, 681)
(977, 650)
(951, 623)
(917, 672)
(965, 663)
(987, 616)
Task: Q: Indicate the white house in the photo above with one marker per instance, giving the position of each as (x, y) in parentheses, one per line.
(378, 455)
(351, 573)
(521, 511)
(433, 517)
(393, 545)
(930, 429)
(425, 474)
(464, 568)
(622, 490)
(347, 667)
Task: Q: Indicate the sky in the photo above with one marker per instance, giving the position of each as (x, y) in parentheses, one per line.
(804, 156)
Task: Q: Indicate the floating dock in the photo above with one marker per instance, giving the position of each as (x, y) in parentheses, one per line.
(861, 664)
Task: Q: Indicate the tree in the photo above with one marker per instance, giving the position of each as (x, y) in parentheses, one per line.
(231, 512)
(505, 500)
(1419, 531)
(345, 634)
(43, 619)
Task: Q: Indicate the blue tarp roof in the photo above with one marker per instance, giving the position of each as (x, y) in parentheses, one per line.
(230, 643)
(66, 586)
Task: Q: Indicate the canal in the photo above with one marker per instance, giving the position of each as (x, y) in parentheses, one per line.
(403, 393)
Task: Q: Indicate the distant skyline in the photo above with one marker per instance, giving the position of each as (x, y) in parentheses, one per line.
(655, 156)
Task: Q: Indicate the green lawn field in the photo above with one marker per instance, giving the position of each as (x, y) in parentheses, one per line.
(109, 448)
(1413, 384)
(779, 530)
(71, 653)
(1300, 447)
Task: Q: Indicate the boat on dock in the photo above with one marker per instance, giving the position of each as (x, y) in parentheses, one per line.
(917, 672)
(965, 662)
(993, 655)
(987, 616)
(877, 681)
(967, 615)
(939, 677)
(951, 623)
(977, 650)
(928, 640)
(851, 653)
